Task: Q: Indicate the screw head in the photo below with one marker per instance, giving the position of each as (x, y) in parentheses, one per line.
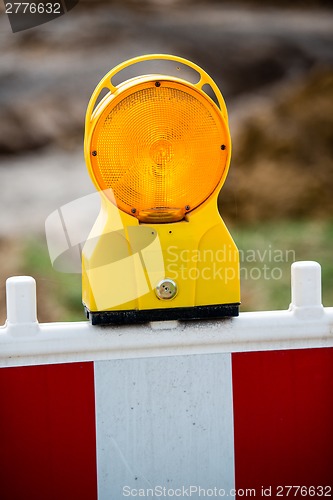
(223, 147)
(166, 289)
(133, 210)
(94, 153)
(187, 207)
(157, 84)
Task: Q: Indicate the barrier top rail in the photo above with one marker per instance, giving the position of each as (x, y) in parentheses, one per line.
(25, 341)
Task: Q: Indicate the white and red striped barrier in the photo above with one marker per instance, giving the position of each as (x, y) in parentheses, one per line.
(237, 407)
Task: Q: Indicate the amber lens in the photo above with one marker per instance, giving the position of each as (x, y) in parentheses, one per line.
(159, 148)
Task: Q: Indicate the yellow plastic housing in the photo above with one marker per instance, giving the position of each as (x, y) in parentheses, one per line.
(158, 148)
(121, 268)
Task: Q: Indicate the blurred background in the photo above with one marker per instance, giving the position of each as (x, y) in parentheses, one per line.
(273, 62)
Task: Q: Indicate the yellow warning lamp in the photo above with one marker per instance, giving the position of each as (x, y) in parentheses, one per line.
(158, 149)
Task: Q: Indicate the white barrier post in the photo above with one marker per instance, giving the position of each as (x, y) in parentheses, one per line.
(306, 289)
(21, 300)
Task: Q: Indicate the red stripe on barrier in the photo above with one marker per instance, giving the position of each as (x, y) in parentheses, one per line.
(47, 433)
(283, 422)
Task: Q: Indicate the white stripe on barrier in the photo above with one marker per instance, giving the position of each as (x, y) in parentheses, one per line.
(164, 422)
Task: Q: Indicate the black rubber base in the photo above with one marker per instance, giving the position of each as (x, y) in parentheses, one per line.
(178, 313)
